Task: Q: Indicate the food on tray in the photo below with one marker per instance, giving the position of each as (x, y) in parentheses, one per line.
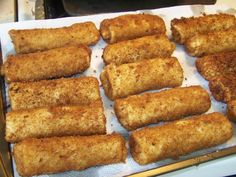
(223, 88)
(32, 40)
(131, 26)
(59, 125)
(184, 28)
(231, 110)
(180, 137)
(63, 61)
(138, 49)
(214, 42)
(70, 91)
(132, 78)
(221, 64)
(58, 154)
(55, 121)
(139, 110)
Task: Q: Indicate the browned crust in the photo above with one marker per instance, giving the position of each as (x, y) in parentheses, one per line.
(58, 154)
(32, 40)
(221, 64)
(223, 88)
(131, 26)
(184, 28)
(65, 91)
(211, 43)
(53, 63)
(55, 121)
(231, 110)
(132, 78)
(138, 49)
(179, 137)
(139, 110)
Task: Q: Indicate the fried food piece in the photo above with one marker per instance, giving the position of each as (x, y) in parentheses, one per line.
(138, 49)
(231, 110)
(55, 121)
(139, 110)
(132, 78)
(58, 154)
(33, 40)
(180, 137)
(53, 63)
(70, 91)
(223, 88)
(214, 42)
(221, 64)
(131, 26)
(184, 28)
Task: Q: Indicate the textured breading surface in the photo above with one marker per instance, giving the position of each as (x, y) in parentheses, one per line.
(58, 154)
(231, 110)
(214, 42)
(184, 28)
(65, 91)
(63, 61)
(223, 88)
(221, 64)
(140, 110)
(132, 78)
(32, 40)
(55, 121)
(131, 26)
(138, 49)
(179, 137)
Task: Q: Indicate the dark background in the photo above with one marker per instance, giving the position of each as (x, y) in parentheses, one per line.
(64, 8)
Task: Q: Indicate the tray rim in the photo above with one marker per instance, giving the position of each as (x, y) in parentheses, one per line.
(187, 163)
(6, 163)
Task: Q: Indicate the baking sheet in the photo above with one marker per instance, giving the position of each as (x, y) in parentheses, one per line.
(190, 74)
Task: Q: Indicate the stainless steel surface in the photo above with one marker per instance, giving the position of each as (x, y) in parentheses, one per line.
(39, 10)
(8, 11)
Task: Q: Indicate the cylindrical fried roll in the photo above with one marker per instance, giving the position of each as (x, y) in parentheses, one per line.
(231, 110)
(70, 91)
(214, 42)
(131, 26)
(55, 121)
(138, 49)
(63, 61)
(179, 138)
(140, 110)
(32, 40)
(132, 78)
(58, 154)
(221, 64)
(184, 28)
(223, 88)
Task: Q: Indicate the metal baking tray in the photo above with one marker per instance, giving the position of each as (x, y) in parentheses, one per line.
(191, 78)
